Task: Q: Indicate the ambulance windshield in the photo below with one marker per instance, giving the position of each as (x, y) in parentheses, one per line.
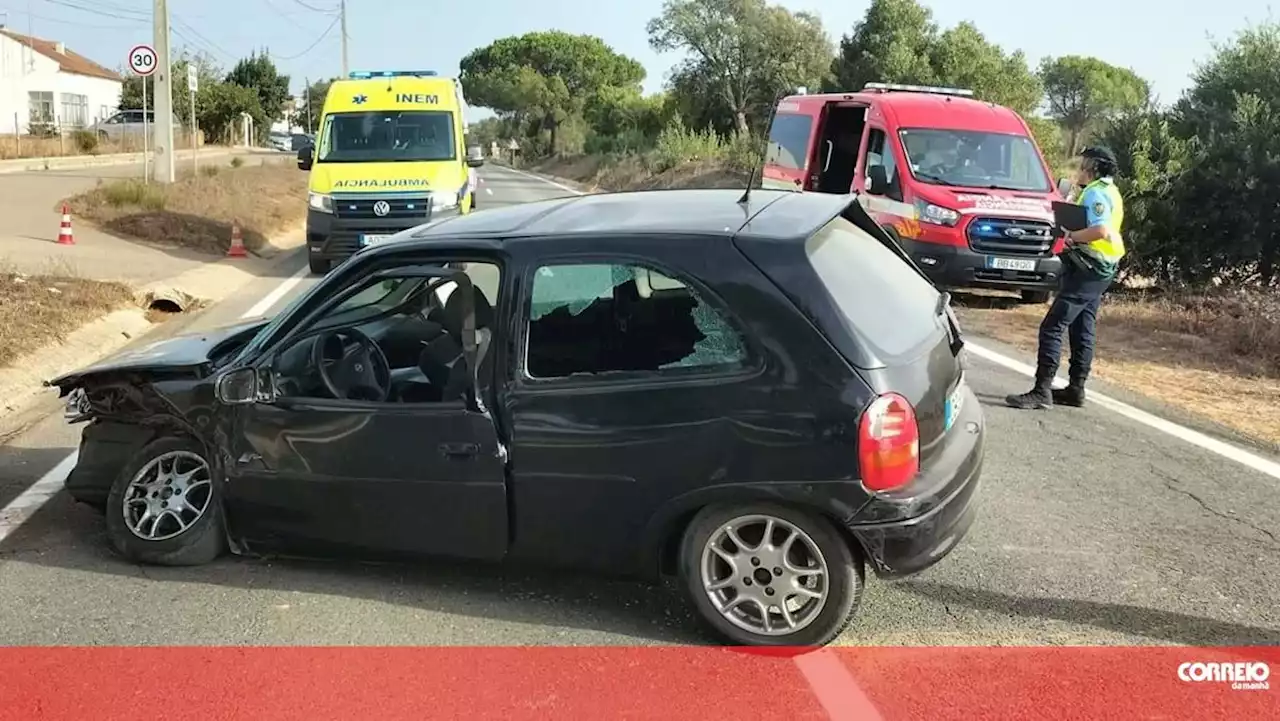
(387, 137)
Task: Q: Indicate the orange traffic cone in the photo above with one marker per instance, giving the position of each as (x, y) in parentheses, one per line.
(237, 243)
(64, 233)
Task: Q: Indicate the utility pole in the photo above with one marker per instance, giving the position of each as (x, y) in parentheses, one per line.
(342, 8)
(306, 94)
(163, 141)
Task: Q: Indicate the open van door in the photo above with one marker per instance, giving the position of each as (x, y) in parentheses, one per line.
(790, 146)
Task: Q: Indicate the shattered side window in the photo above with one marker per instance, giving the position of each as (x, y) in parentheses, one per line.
(601, 318)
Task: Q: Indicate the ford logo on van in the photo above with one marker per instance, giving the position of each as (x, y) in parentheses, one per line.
(1015, 232)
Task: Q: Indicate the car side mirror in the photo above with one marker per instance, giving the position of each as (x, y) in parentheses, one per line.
(238, 386)
(877, 180)
(1065, 187)
(304, 158)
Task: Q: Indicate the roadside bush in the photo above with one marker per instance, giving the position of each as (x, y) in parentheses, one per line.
(678, 144)
(135, 193)
(209, 171)
(237, 161)
(86, 141)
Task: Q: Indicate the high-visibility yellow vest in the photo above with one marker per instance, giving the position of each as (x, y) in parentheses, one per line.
(1110, 248)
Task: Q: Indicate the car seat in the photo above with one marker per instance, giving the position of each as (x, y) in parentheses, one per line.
(442, 360)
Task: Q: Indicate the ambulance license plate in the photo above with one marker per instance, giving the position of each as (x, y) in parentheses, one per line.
(373, 239)
(1011, 264)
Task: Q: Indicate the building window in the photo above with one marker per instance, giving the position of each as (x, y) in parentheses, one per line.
(41, 107)
(75, 110)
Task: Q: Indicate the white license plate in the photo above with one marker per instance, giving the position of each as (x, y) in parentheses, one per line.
(1010, 264)
(373, 239)
(955, 402)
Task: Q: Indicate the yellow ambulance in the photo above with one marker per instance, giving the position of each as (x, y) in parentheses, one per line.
(389, 155)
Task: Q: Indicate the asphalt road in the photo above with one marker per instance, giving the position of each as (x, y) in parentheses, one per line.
(1095, 528)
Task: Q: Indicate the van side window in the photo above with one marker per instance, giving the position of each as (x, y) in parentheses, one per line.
(789, 141)
(880, 155)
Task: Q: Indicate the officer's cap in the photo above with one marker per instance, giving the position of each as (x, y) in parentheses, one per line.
(1099, 152)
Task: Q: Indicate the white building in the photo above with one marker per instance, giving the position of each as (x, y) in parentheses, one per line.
(44, 82)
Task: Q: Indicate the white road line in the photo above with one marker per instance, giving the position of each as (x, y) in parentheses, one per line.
(1195, 438)
(835, 688)
(276, 294)
(29, 501)
(1182, 433)
(489, 191)
(542, 179)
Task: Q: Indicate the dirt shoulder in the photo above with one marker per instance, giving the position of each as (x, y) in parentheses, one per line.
(41, 309)
(197, 212)
(1212, 354)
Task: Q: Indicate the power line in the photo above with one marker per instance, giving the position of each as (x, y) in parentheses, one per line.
(313, 45)
(114, 14)
(73, 23)
(313, 8)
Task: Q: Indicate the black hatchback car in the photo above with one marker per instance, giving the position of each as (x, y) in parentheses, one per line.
(759, 396)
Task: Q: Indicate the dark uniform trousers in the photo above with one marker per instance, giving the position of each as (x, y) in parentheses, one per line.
(1074, 310)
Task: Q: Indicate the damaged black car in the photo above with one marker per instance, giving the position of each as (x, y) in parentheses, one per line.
(759, 396)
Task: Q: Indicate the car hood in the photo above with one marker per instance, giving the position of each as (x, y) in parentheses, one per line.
(186, 352)
(1003, 203)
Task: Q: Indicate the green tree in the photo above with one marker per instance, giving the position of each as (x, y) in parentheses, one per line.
(1048, 135)
(259, 73)
(891, 44)
(1084, 92)
(542, 79)
(747, 51)
(313, 97)
(208, 74)
(221, 105)
(962, 57)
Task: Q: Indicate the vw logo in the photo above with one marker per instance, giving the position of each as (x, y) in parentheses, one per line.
(1015, 232)
(381, 208)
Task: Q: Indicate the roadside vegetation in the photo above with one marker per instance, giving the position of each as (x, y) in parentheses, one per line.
(37, 310)
(52, 144)
(197, 212)
(1202, 222)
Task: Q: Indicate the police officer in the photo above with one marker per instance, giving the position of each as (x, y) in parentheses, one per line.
(1090, 261)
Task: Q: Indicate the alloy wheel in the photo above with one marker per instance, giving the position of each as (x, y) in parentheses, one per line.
(764, 575)
(168, 495)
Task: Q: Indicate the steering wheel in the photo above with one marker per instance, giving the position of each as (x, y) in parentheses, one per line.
(352, 366)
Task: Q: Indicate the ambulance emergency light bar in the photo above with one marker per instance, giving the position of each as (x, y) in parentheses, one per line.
(889, 87)
(366, 74)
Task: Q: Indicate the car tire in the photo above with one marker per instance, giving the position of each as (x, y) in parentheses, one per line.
(1035, 297)
(319, 266)
(202, 539)
(844, 574)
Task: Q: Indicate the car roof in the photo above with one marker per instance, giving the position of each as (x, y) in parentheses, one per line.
(708, 213)
(927, 110)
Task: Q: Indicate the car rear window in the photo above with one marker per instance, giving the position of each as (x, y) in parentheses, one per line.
(887, 303)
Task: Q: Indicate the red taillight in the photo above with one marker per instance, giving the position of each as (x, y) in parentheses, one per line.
(888, 443)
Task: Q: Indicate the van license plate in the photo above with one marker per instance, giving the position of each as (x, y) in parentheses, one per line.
(373, 239)
(1011, 264)
(954, 403)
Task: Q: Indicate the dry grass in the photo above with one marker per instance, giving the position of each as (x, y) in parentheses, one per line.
(74, 143)
(38, 310)
(631, 173)
(1214, 354)
(197, 211)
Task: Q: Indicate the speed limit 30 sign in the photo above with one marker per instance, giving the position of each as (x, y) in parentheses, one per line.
(142, 60)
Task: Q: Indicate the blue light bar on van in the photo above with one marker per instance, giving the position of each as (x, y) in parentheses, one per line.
(366, 74)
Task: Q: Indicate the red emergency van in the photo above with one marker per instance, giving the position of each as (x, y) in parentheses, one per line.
(960, 183)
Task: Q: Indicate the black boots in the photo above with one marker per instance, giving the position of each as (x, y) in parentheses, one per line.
(1072, 395)
(1043, 396)
(1039, 397)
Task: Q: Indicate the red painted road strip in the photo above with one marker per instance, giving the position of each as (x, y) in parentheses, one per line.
(318, 684)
